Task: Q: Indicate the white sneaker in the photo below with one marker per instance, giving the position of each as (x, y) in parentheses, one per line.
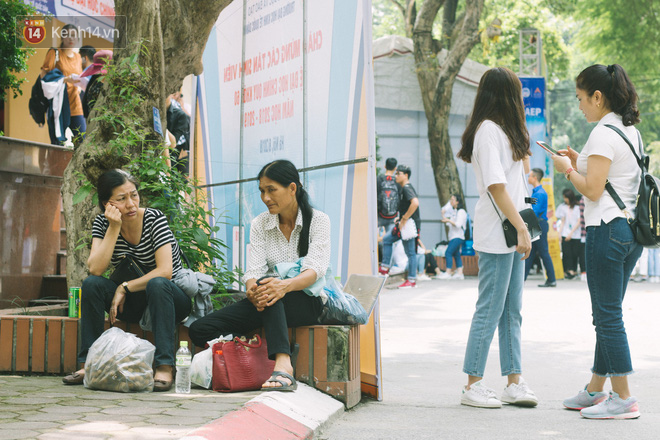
(583, 276)
(458, 276)
(423, 277)
(480, 396)
(519, 394)
(442, 276)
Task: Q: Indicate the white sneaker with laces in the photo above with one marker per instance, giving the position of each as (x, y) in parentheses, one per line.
(458, 276)
(423, 277)
(480, 396)
(585, 399)
(519, 394)
(442, 276)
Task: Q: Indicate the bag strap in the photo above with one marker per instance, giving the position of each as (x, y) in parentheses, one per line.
(640, 162)
(247, 342)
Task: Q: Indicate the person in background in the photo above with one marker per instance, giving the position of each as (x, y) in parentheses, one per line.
(69, 114)
(86, 56)
(540, 246)
(178, 123)
(388, 194)
(457, 220)
(408, 209)
(568, 213)
(607, 96)
(92, 75)
(496, 142)
(654, 265)
(582, 260)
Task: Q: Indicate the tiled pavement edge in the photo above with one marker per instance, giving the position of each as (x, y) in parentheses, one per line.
(40, 407)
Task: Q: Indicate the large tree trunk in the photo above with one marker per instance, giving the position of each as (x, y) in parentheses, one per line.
(436, 74)
(168, 37)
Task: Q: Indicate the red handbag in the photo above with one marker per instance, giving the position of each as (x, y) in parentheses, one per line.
(240, 365)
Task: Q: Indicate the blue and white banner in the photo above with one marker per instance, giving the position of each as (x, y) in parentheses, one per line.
(533, 89)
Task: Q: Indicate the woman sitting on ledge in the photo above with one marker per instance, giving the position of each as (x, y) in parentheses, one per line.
(290, 230)
(144, 234)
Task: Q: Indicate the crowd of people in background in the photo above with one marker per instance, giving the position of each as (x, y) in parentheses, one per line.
(74, 71)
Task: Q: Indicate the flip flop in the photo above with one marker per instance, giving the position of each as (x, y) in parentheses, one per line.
(285, 386)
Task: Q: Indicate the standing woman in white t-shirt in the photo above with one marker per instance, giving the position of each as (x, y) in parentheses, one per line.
(607, 96)
(568, 213)
(496, 142)
(456, 218)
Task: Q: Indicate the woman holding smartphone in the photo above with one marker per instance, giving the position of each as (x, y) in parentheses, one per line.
(608, 97)
(496, 142)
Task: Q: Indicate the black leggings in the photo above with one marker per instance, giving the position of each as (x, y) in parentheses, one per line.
(294, 310)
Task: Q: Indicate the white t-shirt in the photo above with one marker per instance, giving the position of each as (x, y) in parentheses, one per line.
(460, 218)
(624, 173)
(492, 161)
(569, 218)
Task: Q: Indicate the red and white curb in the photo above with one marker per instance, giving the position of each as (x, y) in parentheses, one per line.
(274, 415)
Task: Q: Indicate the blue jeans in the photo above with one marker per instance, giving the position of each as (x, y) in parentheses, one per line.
(167, 303)
(541, 246)
(611, 256)
(408, 246)
(498, 306)
(454, 250)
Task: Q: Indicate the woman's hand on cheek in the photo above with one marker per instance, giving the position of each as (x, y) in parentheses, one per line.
(112, 214)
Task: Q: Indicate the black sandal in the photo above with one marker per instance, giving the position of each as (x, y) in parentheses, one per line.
(284, 386)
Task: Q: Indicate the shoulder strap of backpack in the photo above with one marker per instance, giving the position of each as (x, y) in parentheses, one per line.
(639, 158)
(640, 162)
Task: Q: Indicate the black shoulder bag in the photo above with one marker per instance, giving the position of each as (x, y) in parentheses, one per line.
(646, 224)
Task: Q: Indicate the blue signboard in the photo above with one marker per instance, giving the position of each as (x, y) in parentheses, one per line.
(533, 89)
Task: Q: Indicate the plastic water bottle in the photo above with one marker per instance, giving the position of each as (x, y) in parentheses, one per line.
(183, 361)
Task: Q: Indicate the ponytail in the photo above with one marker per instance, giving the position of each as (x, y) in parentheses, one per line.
(307, 213)
(617, 89)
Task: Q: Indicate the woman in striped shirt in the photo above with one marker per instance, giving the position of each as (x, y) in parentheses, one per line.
(143, 233)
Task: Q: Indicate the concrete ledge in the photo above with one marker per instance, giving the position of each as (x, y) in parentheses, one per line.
(280, 415)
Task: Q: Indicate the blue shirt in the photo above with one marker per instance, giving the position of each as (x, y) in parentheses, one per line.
(541, 205)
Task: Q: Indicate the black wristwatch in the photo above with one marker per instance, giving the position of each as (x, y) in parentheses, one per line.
(125, 286)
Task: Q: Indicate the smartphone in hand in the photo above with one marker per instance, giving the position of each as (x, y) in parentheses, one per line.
(548, 148)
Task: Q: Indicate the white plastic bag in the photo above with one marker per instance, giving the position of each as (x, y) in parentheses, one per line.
(409, 230)
(201, 369)
(120, 361)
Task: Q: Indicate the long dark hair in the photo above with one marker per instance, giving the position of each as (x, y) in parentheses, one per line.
(613, 82)
(570, 195)
(68, 28)
(285, 173)
(499, 99)
(110, 180)
(459, 200)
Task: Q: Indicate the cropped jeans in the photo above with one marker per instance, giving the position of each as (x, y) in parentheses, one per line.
(453, 252)
(611, 256)
(498, 306)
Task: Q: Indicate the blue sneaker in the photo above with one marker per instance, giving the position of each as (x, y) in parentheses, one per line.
(585, 399)
(613, 408)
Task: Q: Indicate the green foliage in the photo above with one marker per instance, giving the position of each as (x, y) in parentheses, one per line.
(387, 19)
(13, 58)
(627, 33)
(516, 15)
(120, 119)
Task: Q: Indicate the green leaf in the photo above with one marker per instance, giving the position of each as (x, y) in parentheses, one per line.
(82, 194)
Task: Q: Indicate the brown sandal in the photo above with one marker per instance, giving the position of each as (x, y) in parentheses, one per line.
(162, 385)
(73, 379)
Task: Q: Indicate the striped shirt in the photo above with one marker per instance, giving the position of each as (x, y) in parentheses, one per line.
(155, 233)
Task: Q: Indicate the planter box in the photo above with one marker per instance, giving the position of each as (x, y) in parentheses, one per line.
(470, 264)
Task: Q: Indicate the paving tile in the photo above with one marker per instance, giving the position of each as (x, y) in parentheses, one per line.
(64, 435)
(38, 416)
(184, 421)
(146, 410)
(100, 427)
(208, 412)
(98, 417)
(31, 400)
(70, 409)
(159, 431)
(9, 434)
(28, 425)
(7, 415)
(155, 404)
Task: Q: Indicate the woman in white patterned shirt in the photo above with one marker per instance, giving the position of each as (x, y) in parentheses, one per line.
(290, 230)
(143, 233)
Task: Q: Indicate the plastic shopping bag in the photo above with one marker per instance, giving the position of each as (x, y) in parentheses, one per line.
(341, 307)
(120, 361)
(201, 368)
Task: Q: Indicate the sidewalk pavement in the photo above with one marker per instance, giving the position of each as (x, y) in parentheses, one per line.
(41, 407)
